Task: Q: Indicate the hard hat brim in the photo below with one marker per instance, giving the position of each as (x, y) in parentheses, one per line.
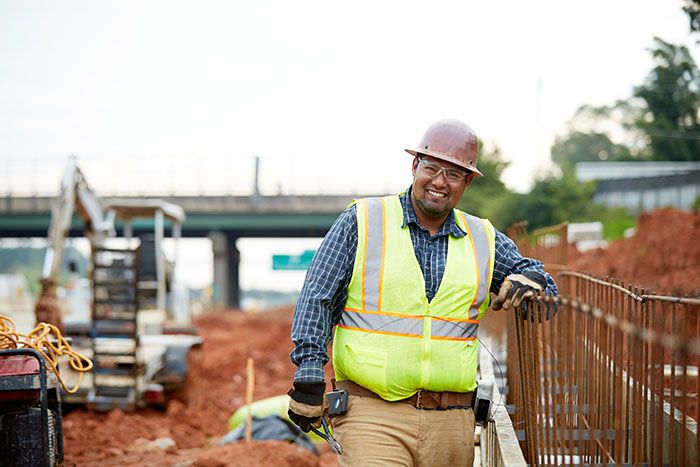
(442, 157)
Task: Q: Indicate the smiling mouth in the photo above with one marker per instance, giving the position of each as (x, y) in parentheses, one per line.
(436, 194)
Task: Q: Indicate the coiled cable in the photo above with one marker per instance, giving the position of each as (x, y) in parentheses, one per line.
(49, 342)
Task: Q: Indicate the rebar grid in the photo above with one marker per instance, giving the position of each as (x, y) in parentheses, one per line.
(612, 378)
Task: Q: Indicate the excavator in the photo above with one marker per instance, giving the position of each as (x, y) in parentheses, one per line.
(138, 357)
(136, 329)
(132, 325)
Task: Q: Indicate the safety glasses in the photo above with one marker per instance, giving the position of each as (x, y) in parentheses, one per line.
(434, 170)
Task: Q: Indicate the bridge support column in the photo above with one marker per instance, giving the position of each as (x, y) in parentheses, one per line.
(234, 261)
(226, 261)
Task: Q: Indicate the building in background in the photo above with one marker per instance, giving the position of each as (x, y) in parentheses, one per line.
(643, 186)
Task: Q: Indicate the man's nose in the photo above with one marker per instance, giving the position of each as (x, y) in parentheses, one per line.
(441, 177)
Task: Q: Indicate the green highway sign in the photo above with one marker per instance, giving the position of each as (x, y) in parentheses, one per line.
(292, 262)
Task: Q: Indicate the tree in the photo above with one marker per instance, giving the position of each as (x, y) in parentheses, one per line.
(661, 121)
(692, 8)
(577, 146)
(553, 198)
(491, 164)
(485, 196)
(556, 199)
(670, 104)
(589, 139)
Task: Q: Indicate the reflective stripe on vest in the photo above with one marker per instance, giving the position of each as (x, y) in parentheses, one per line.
(480, 242)
(373, 319)
(408, 325)
(375, 239)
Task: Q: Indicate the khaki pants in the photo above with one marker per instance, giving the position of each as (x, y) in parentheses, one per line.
(374, 432)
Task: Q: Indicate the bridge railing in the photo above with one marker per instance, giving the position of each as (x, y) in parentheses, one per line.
(611, 378)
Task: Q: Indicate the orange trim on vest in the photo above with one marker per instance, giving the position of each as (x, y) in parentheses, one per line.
(440, 338)
(353, 328)
(455, 320)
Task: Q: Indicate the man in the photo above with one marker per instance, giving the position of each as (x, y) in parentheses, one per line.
(405, 281)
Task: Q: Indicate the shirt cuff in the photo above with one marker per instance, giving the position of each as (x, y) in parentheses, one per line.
(310, 371)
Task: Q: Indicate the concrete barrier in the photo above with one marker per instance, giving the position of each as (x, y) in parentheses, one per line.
(499, 443)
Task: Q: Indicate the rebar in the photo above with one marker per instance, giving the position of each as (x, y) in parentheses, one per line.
(612, 377)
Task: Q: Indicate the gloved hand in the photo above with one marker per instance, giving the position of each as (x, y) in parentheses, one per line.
(518, 287)
(307, 404)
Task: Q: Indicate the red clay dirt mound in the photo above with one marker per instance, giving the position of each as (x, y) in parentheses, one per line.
(230, 337)
(256, 454)
(663, 256)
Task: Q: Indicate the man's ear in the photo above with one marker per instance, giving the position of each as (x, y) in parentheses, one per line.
(470, 179)
(414, 166)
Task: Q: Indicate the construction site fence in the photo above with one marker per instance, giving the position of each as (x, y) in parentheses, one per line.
(610, 378)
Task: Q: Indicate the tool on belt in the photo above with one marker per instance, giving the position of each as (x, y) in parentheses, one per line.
(337, 404)
(328, 437)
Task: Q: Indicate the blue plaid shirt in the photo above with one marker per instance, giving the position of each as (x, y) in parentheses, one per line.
(322, 299)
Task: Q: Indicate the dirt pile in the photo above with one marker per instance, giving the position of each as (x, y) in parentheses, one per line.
(663, 256)
(118, 438)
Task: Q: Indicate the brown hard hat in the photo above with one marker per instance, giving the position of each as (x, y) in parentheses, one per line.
(452, 141)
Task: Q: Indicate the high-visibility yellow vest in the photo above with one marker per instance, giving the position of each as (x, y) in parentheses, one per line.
(390, 339)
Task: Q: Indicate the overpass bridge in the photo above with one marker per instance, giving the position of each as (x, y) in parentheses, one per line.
(223, 219)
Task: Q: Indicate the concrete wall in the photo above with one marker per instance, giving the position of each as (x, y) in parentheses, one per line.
(499, 442)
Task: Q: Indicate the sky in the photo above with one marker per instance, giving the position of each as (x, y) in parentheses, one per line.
(161, 97)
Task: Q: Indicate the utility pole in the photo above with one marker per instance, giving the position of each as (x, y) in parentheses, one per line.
(256, 181)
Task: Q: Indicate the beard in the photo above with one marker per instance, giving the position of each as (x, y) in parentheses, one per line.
(432, 209)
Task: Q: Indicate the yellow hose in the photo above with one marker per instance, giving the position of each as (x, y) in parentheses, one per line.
(40, 340)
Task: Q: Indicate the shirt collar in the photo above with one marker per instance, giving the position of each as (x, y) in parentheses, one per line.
(409, 217)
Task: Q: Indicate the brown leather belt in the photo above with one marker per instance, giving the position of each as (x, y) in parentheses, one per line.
(423, 399)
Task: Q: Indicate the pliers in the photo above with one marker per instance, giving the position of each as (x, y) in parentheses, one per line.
(328, 437)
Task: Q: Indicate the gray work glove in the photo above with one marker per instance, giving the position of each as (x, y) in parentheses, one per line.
(519, 287)
(307, 404)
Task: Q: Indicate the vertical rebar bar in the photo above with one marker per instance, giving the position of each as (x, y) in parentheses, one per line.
(644, 378)
(657, 389)
(683, 359)
(627, 388)
(547, 389)
(534, 384)
(618, 419)
(669, 312)
(696, 358)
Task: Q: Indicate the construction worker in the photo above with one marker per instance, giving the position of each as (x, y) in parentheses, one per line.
(405, 280)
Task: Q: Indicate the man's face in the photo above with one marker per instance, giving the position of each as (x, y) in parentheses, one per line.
(436, 195)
